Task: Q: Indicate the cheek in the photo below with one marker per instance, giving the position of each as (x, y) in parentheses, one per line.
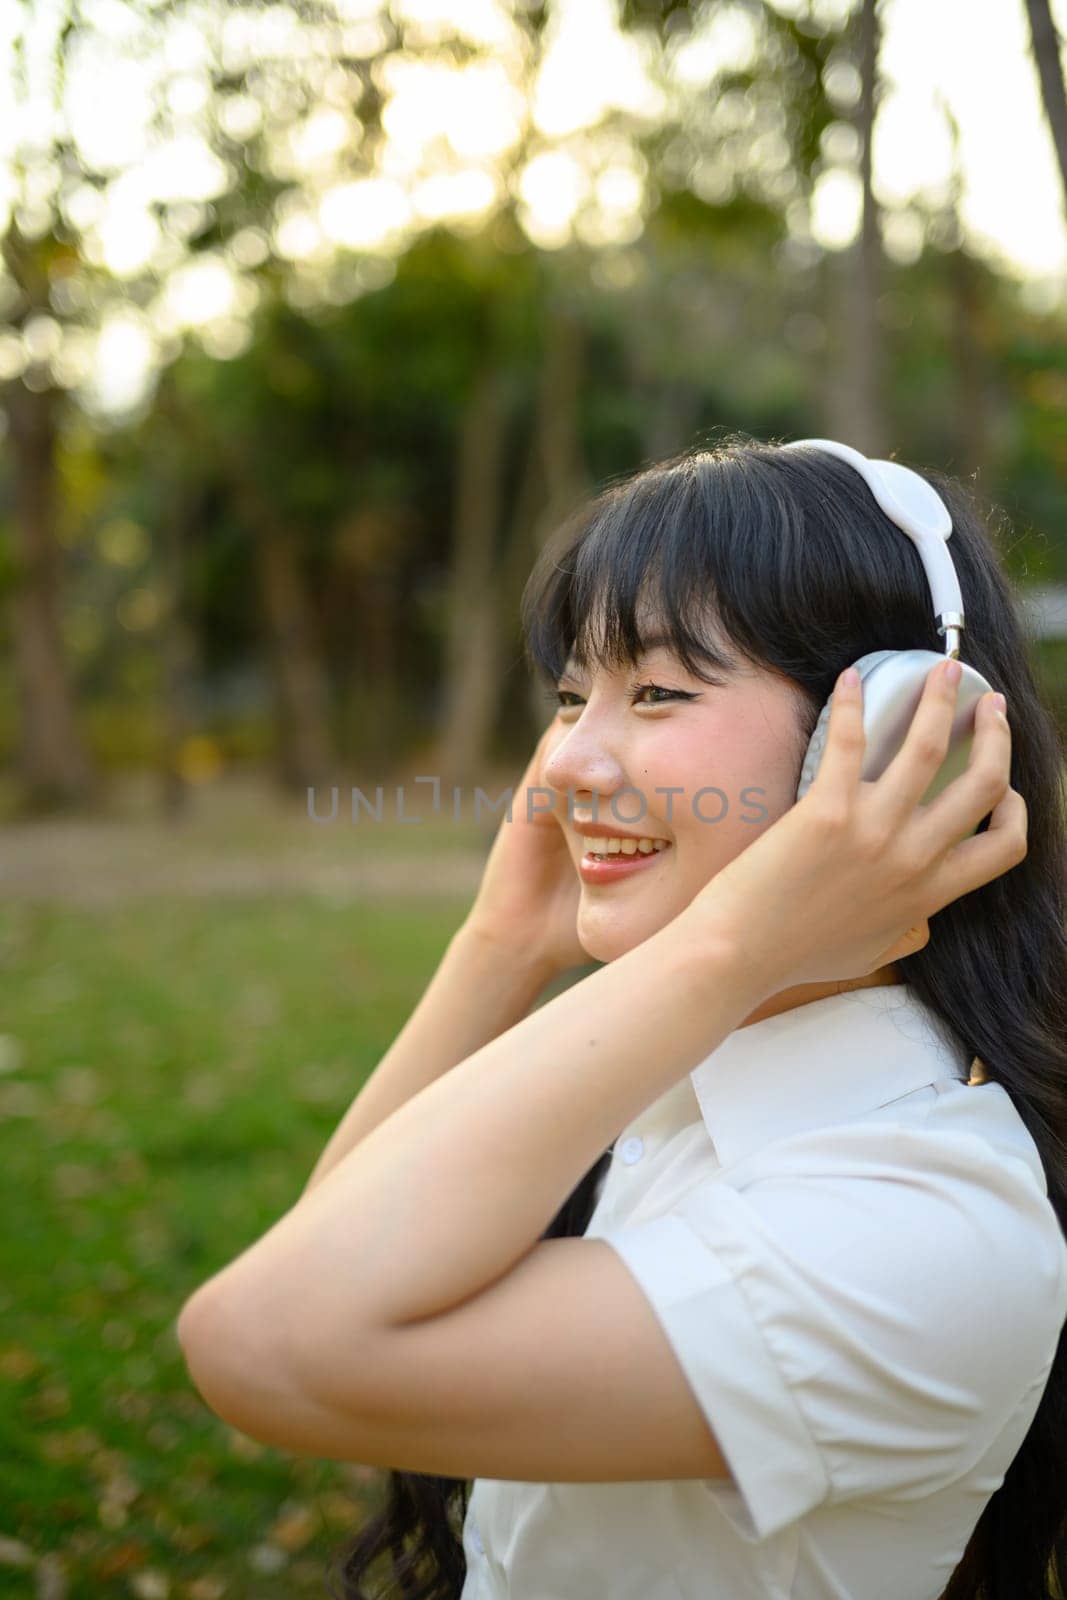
(666, 757)
(749, 758)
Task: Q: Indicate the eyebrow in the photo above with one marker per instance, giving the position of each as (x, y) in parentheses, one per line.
(655, 641)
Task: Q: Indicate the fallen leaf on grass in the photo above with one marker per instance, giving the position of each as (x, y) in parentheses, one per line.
(75, 1444)
(50, 1578)
(294, 1527)
(17, 1363)
(341, 1508)
(267, 1558)
(206, 1588)
(13, 1553)
(150, 1585)
(120, 1558)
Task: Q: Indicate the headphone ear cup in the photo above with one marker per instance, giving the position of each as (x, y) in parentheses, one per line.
(817, 743)
(893, 682)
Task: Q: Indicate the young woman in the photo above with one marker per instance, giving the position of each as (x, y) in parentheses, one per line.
(738, 1268)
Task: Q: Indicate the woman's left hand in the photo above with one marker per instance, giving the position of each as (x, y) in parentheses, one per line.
(527, 901)
(846, 879)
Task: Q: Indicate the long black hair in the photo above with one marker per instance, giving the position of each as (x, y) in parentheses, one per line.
(804, 574)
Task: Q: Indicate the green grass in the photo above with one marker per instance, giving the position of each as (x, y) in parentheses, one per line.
(169, 1072)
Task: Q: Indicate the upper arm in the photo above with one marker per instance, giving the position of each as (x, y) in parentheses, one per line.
(558, 1372)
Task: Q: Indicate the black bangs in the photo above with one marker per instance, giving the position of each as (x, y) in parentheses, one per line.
(746, 553)
(629, 571)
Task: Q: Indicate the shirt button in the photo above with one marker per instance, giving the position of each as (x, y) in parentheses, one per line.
(632, 1150)
(476, 1540)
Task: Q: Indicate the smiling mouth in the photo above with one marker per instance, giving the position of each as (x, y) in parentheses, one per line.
(616, 848)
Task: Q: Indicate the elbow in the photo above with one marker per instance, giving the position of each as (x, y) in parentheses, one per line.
(211, 1348)
(200, 1327)
(242, 1374)
(188, 1325)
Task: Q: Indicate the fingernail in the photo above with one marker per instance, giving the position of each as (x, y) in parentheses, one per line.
(850, 677)
(953, 671)
(999, 703)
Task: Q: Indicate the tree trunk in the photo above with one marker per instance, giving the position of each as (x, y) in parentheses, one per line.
(559, 437)
(54, 767)
(487, 593)
(472, 644)
(566, 477)
(971, 370)
(858, 401)
(304, 745)
(1045, 42)
(179, 653)
(378, 670)
(967, 338)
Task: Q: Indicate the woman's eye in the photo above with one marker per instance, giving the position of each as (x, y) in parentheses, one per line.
(638, 689)
(568, 700)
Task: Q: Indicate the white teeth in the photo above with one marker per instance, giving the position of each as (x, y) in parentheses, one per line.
(621, 846)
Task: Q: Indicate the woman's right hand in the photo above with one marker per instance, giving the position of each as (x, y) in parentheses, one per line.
(528, 898)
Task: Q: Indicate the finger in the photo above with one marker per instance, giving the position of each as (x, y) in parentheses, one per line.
(841, 764)
(532, 775)
(962, 804)
(985, 856)
(535, 800)
(913, 768)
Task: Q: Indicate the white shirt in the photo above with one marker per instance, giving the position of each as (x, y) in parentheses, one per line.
(853, 1256)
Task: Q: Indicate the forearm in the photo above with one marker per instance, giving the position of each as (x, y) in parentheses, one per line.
(478, 991)
(459, 1184)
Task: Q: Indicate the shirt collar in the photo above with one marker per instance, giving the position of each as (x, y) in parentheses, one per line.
(822, 1062)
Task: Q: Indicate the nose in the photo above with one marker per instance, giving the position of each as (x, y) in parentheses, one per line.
(580, 763)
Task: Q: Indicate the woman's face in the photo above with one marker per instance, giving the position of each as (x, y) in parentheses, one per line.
(729, 753)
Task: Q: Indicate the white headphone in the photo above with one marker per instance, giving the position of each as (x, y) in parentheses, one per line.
(893, 680)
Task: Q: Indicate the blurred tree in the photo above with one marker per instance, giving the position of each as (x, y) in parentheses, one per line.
(557, 476)
(858, 412)
(1046, 45)
(53, 763)
(733, 166)
(968, 341)
(164, 462)
(261, 453)
(62, 282)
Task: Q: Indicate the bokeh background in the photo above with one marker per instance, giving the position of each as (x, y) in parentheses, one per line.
(315, 321)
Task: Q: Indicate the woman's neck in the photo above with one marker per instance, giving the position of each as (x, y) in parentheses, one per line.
(803, 993)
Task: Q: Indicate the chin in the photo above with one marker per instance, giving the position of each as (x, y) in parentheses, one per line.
(606, 935)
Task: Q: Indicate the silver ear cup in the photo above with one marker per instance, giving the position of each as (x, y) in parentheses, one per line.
(893, 683)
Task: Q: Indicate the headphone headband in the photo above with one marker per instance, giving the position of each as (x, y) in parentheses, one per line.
(916, 508)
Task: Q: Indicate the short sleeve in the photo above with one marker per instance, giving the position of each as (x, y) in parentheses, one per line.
(860, 1318)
